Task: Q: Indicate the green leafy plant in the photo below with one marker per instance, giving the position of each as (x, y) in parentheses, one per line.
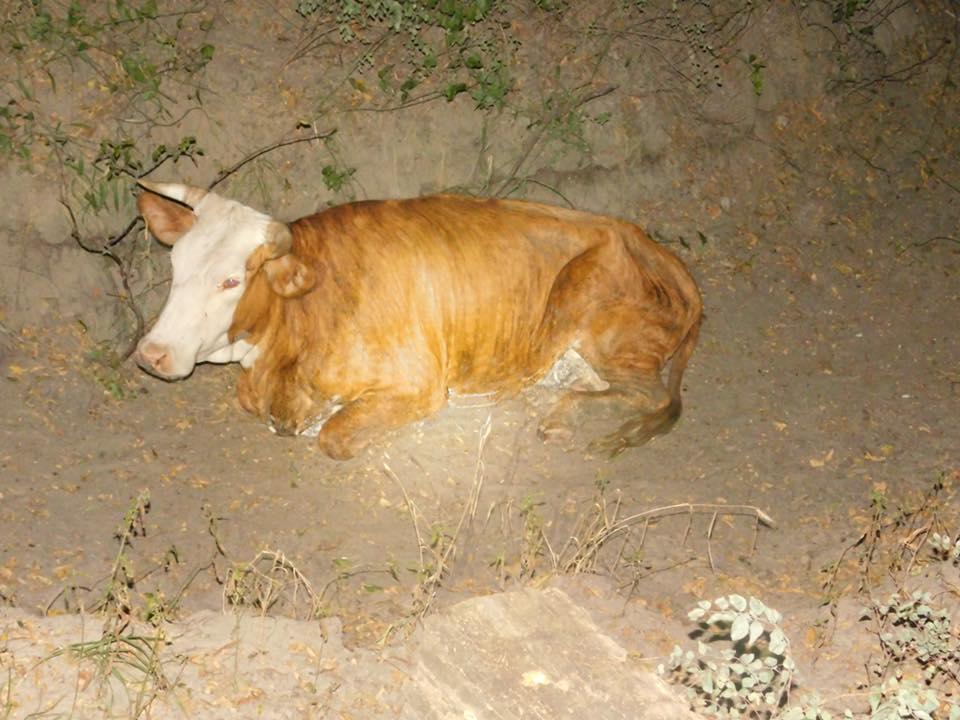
(756, 73)
(944, 548)
(458, 42)
(912, 628)
(896, 699)
(751, 675)
(334, 178)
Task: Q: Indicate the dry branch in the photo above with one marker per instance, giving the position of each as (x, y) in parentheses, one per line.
(580, 555)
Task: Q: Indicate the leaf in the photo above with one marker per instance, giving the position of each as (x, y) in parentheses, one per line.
(706, 683)
(819, 462)
(740, 628)
(15, 371)
(738, 602)
(454, 89)
(778, 642)
(756, 630)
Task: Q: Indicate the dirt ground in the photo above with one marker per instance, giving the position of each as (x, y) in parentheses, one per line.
(821, 225)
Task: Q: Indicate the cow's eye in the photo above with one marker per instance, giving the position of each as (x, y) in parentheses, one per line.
(230, 282)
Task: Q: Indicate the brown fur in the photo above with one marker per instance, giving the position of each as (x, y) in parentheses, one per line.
(381, 307)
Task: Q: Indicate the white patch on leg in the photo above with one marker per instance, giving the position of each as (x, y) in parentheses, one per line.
(311, 428)
(572, 371)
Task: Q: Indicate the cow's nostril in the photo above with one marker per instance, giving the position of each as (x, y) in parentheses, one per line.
(151, 355)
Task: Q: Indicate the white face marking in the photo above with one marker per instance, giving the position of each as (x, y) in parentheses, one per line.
(208, 280)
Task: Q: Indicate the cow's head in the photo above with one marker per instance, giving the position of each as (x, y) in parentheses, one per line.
(218, 245)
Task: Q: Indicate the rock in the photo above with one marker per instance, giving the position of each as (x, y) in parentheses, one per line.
(529, 654)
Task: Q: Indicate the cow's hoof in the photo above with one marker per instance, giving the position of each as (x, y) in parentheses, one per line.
(555, 434)
(280, 428)
(336, 448)
(609, 446)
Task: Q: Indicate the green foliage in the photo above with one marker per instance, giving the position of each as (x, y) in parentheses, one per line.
(756, 74)
(453, 16)
(944, 548)
(459, 43)
(845, 10)
(492, 85)
(334, 178)
(897, 699)
(107, 368)
(102, 182)
(115, 57)
(751, 675)
(912, 628)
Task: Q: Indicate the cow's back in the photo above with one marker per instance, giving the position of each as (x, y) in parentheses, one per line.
(447, 285)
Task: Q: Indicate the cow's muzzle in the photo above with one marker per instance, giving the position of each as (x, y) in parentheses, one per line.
(155, 359)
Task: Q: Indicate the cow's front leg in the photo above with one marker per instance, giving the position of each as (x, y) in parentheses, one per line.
(354, 425)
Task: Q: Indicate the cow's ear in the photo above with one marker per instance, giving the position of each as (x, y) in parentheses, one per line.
(289, 276)
(166, 219)
(277, 242)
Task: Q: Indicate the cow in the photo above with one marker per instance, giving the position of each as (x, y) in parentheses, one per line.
(369, 315)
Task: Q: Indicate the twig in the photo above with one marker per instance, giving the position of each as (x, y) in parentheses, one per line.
(426, 592)
(594, 540)
(124, 280)
(935, 238)
(545, 123)
(469, 510)
(713, 524)
(479, 472)
(224, 174)
(411, 508)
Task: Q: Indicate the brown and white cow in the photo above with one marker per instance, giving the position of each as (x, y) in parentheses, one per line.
(365, 316)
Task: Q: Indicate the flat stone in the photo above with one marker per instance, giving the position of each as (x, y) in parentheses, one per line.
(529, 654)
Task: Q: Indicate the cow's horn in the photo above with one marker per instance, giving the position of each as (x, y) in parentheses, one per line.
(278, 238)
(187, 194)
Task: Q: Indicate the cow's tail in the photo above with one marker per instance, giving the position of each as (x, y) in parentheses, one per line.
(678, 364)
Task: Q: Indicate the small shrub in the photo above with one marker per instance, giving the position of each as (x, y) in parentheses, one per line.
(751, 676)
(912, 628)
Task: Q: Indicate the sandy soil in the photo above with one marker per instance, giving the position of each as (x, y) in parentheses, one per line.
(827, 377)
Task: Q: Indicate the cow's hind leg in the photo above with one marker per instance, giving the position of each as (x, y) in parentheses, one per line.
(647, 411)
(649, 408)
(632, 410)
(627, 329)
(353, 426)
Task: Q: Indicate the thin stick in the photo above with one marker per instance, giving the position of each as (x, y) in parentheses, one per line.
(411, 508)
(713, 524)
(124, 280)
(534, 139)
(224, 174)
(480, 470)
